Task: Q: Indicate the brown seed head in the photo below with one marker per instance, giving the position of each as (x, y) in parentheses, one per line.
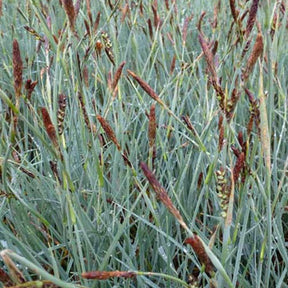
(252, 17)
(255, 54)
(17, 68)
(161, 194)
(152, 126)
(199, 250)
(49, 127)
(117, 75)
(109, 131)
(146, 87)
(70, 12)
(103, 275)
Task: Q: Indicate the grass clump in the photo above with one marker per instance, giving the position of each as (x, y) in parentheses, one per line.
(130, 130)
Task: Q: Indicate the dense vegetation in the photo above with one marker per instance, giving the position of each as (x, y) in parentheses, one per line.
(143, 143)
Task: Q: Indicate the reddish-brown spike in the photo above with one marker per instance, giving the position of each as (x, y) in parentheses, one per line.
(145, 87)
(117, 75)
(155, 15)
(173, 64)
(185, 28)
(96, 23)
(199, 250)
(255, 54)
(87, 27)
(49, 127)
(1, 12)
(124, 11)
(85, 74)
(70, 12)
(234, 12)
(152, 126)
(29, 86)
(252, 17)
(150, 28)
(103, 275)
(238, 166)
(162, 194)
(221, 133)
(109, 131)
(17, 68)
(88, 7)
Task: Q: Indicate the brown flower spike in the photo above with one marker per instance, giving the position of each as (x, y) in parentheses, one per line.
(103, 275)
(199, 249)
(162, 194)
(49, 127)
(255, 54)
(109, 131)
(70, 12)
(17, 68)
(146, 87)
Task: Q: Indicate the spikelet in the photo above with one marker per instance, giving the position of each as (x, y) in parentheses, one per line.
(234, 12)
(185, 29)
(109, 131)
(117, 76)
(17, 68)
(239, 166)
(155, 15)
(87, 28)
(61, 113)
(96, 23)
(255, 54)
(189, 124)
(172, 65)
(34, 33)
(146, 87)
(125, 11)
(108, 47)
(208, 56)
(150, 28)
(251, 17)
(162, 194)
(88, 7)
(223, 191)
(85, 76)
(231, 104)
(49, 127)
(152, 126)
(199, 250)
(98, 47)
(103, 275)
(70, 12)
(1, 13)
(221, 133)
(29, 86)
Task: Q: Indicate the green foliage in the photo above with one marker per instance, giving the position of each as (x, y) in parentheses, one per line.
(72, 204)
